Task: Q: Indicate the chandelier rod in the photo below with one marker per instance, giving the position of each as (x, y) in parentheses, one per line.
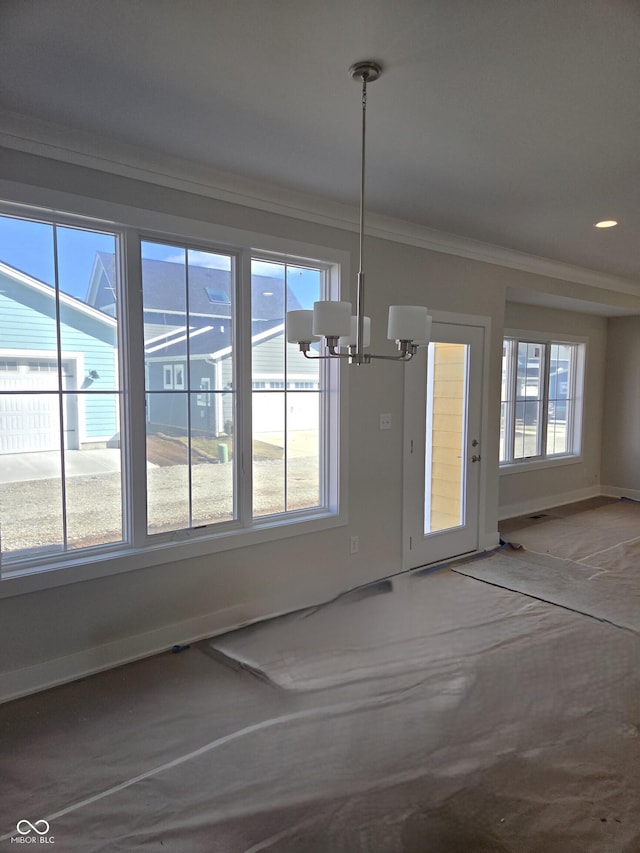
(360, 290)
(362, 166)
(365, 71)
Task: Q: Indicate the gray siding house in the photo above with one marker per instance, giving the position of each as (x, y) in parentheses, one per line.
(194, 323)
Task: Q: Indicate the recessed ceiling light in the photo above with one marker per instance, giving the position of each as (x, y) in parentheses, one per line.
(606, 223)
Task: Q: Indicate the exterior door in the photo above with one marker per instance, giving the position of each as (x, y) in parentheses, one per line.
(443, 448)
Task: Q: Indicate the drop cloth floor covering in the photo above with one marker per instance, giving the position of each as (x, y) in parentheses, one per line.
(597, 538)
(588, 561)
(437, 714)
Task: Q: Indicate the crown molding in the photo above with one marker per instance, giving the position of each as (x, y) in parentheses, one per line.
(45, 139)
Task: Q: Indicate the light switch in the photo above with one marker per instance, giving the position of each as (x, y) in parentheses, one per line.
(385, 420)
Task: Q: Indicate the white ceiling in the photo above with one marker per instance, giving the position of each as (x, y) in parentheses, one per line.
(514, 122)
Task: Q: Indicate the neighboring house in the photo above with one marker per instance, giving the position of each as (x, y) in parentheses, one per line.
(200, 322)
(29, 363)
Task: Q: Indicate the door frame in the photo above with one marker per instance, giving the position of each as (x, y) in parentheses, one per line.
(456, 319)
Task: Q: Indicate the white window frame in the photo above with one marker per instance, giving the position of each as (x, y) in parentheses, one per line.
(178, 377)
(142, 550)
(575, 416)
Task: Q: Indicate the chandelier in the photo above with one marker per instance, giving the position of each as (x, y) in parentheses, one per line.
(409, 325)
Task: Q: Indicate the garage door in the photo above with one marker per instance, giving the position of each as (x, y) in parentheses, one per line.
(29, 421)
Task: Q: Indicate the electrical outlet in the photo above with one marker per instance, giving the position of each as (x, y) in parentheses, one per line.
(355, 544)
(385, 420)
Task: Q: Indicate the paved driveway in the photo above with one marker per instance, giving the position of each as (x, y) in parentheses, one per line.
(19, 467)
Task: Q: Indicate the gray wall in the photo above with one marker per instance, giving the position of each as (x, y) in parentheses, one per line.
(48, 634)
(621, 425)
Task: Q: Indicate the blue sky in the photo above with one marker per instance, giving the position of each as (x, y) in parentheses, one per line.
(29, 247)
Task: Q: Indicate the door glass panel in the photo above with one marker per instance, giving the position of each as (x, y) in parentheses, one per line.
(446, 430)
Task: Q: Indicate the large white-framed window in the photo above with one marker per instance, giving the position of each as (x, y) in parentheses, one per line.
(541, 399)
(148, 397)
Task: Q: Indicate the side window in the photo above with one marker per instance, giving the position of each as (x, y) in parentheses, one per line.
(541, 403)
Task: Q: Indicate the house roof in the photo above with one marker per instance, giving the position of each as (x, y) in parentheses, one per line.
(210, 325)
(209, 335)
(211, 339)
(209, 290)
(210, 330)
(35, 285)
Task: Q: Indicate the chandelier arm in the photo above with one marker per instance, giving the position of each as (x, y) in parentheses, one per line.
(355, 358)
(407, 356)
(324, 357)
(365, 359)
(333, 353)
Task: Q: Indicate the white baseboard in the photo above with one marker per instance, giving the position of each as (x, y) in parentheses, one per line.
(489, 541)
(51, 673)
(540, 504)
(40, 676)
(617, 492)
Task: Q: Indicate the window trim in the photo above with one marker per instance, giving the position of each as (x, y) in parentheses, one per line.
(519, 466)
(135, 224)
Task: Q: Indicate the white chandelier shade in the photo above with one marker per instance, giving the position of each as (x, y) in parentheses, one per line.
(351, 339)
(300, 327)
(406, 322)
(331, 319)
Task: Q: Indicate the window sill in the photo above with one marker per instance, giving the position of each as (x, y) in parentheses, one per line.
(20, 581)
(538, 464)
